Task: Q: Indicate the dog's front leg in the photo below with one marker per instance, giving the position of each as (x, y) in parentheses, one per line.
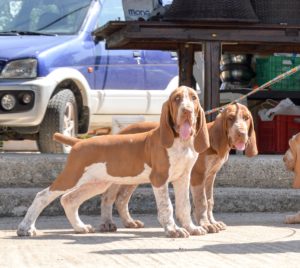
(183, 206)
(216, 226)
(200, 206)
(165, 212)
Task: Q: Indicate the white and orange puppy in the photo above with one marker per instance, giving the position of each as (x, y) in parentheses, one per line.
(292, 163)
(232, 129)
(165, 154)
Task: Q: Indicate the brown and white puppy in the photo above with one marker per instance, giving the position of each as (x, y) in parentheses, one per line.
(165, 154)
(232, 129)
(116, 194)
(292, 163)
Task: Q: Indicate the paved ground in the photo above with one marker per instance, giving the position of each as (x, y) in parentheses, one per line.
(251, 240)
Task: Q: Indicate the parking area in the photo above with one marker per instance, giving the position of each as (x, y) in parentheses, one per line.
(251, 240)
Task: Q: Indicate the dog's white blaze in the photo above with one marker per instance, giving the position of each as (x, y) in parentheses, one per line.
(239, 126)
(186, 103)
(98, 172)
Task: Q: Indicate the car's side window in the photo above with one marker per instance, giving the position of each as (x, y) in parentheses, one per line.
(111, 10)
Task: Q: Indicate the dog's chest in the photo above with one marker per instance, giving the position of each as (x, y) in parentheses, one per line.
(214, 163)
(182, 158)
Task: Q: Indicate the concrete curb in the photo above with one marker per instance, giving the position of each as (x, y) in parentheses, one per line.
(39, 170)
(243, 185)
(15, 201)
(262, 171)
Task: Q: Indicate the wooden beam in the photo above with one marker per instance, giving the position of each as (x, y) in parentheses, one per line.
(119, 34)
(212, 56)
(262, 49)
(186, 62)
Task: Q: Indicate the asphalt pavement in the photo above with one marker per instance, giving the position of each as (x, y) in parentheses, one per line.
(251, 240)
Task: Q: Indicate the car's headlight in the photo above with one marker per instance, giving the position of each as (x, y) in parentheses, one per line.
(26, 68)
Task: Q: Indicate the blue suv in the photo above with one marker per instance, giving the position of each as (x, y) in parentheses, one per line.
(56, 77)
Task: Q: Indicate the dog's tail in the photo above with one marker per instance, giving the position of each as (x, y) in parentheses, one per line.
(139, 127)
(134, 128)
(65, 139)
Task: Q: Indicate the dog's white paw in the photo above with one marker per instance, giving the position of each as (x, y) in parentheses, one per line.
(220, 225)
(177, 232)
(210, 228)
(26, 231)
(134, 224)
(84, 229)
(196, 230)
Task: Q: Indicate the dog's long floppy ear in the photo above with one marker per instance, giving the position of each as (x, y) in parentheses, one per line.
(166, 131)
(291, 163)
(251, 148)
(296, 183)
(218, 134)
(201, 142)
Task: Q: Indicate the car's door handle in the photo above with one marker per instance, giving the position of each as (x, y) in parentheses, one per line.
(174, 55)
(136, 54)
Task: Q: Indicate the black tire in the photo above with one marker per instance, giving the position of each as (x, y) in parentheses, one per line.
(61, 106)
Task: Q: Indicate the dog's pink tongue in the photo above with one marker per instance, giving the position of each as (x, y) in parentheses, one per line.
(240, 146)
(185, 131)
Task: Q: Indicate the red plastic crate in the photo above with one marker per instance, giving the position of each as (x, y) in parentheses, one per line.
(273, 136)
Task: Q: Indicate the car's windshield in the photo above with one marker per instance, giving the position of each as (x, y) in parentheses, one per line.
(42, 16)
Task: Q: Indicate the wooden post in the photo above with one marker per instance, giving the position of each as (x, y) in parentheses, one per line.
(212, 56)
(186, 62)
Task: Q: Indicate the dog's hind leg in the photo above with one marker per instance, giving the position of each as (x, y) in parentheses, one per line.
(107, 200)
(72, 200)
(124, 194)
(120, 195)
(42, 199)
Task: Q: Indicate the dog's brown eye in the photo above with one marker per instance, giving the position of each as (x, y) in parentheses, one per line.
(194, 97)
(246, 117)
(177, 99)
(231, 118)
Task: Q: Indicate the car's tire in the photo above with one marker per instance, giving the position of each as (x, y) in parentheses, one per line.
(61, 116)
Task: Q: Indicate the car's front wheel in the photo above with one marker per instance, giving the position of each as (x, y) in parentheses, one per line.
(61, 116)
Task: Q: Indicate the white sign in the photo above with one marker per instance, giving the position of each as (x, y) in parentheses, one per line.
(139, 9)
